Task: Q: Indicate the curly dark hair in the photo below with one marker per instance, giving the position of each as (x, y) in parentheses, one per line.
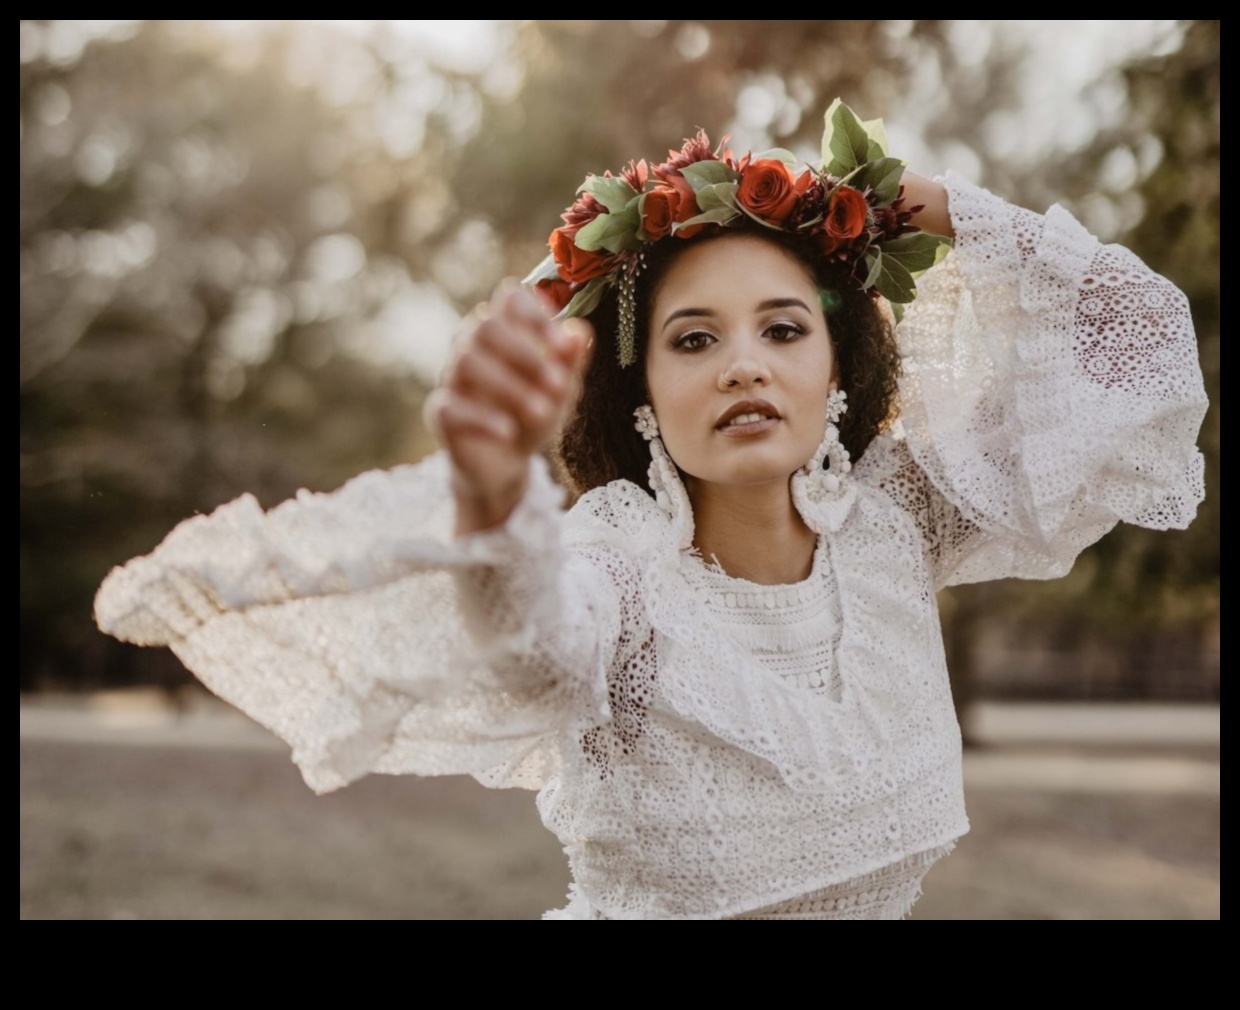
(599, 443)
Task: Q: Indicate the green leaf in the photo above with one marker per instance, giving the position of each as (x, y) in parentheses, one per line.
(720, 194)
(717, 215)
(585, 300)
(778, 154)
(874, 258)
(883, 177)
(613, 232)
(877, 133)
(845, 142)
(611, 191)
(917, 252)
(590, 236)
(545, 271)
(708, 173)
(895, 282)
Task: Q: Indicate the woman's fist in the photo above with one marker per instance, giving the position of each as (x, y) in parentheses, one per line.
(512, 378)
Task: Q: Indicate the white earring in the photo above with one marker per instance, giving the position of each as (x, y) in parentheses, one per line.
(831, 451)
(823, 496)
(664, 479)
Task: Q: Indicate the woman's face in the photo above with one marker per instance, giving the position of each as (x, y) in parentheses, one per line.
(739, 362)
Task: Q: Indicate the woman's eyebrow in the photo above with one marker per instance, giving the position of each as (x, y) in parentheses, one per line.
(764, 306)
(782, 303)
(687, 314)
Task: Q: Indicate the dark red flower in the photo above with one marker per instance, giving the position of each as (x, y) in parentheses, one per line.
(635, 174)
(584, 210)
(895, 219)
(695, 149)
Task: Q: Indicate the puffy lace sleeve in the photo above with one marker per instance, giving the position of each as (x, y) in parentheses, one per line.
(353, 626)
(1052, 389)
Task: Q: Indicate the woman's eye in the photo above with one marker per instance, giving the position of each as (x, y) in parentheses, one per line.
(782, 333)
(694, 340)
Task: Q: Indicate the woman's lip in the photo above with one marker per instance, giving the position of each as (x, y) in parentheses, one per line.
(748, 407)
(749, 428)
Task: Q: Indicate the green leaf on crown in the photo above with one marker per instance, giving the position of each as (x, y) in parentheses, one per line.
(883, 177)
(614, 232)
(718, 215)
(585, 300)
(895, 281)
(778, 154)
(874, 261)
(877, 133)
(708, 173)
(917, 252)
(719, 194)
(609, 190)
(847, 142)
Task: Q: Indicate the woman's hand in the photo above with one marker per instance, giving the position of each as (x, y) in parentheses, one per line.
(511, 381)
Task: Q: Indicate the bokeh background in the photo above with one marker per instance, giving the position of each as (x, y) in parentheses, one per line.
(244, 247)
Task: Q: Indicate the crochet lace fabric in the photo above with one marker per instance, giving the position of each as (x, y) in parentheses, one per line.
(705, 747)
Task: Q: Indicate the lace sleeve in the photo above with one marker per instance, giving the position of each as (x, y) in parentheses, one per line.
(355, 628)
(1051, 389)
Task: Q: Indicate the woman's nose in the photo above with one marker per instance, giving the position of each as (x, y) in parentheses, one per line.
(744, 370)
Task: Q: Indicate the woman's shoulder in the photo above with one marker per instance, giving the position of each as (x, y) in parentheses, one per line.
(621, 525)
(619, 512)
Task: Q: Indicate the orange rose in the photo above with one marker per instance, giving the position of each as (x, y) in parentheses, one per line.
(687, 208)
(846, 214)
(659, 211)
(577, 265)
(554, 292)
(769, 190)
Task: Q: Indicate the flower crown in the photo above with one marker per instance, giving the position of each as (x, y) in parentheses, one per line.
(850, 208)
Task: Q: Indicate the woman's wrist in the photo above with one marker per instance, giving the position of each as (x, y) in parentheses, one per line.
(478, 510)
(931, 196)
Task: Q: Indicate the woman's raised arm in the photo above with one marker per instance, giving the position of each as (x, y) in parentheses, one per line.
(513, 376)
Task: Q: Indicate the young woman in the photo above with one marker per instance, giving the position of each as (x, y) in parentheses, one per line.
(722, 667)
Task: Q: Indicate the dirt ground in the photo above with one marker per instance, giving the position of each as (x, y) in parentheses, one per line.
(202, 816)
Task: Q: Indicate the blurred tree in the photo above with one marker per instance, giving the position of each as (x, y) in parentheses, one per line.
(202, 240)
(1139, 615)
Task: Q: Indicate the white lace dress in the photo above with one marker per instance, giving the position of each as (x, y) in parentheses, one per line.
(705, 747)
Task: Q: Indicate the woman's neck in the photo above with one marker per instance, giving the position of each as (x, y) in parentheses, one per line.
(754, 532)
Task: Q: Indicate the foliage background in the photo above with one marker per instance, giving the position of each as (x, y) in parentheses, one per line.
(244, 246)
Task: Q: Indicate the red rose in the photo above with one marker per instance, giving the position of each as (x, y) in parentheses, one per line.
(577, 265)
(667, 204)
(554, 292)
(769, 190)
(687, 207)
(846, 214)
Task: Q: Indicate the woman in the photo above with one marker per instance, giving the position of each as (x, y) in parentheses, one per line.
(722, 668)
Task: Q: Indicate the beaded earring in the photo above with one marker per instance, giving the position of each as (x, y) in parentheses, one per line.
(821, 490)
(669, 491)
